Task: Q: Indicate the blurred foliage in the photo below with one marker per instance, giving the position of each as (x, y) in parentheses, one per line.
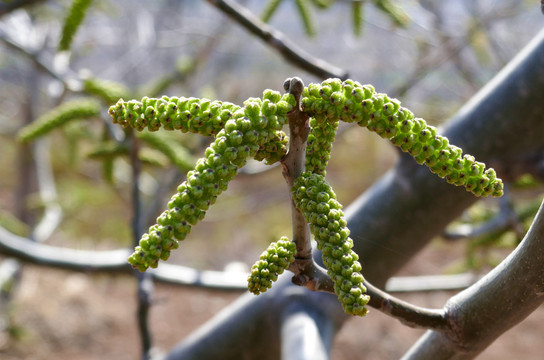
(13, 224)
(74, 18)
(496, 229)
(395, 12)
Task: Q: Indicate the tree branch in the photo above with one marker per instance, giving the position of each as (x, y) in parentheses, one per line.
(293, 166)
(8, 6)
(72, 83)
(406, 313)
(278, 41)
(112, 261)
(487, 309)
(506, 219)
(307, 272)
(251, 327)
(306, 333)
(145, 281)
(48, 193)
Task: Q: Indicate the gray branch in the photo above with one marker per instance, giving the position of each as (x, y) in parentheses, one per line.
(116, 261)
(52, 215)
(496, 303)
(112, 261)
(277, 41)
(399, 215)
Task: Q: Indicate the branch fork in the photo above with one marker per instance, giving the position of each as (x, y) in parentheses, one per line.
(306, 271)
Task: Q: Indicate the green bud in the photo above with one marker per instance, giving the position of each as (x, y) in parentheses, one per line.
(273, 261)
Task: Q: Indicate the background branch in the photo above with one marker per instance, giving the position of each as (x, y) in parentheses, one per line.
(499, 301)
(276, 40)
(52, 215)
(145, 282)
(113, 261)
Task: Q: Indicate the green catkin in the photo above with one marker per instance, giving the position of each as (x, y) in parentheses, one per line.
(107, 90)
(172, 149)
(357, 16)
(352, 102)
(73, 20)
(319, 144)
(303, 7)
(108, 151)
(395, 12)
(275, 149)
(273, 261)
(317, 201)
(245, 133)
(59, 116)
(199, 116)
(322, 4)
(270, 10)
(322, 135)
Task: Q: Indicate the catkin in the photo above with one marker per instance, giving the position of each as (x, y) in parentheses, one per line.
(315, 198)
(59, 116)
(73, 20)
(272, 262)
(245, 133)
(352, 102)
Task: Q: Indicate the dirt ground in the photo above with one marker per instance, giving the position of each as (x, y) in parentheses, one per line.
(64, 315)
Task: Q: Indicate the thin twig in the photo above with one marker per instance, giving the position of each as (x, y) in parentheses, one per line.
(48, 193)
(145, 282)
(506, 219)
(406, 313)
(433, 61)
(72, 83)
(276, 40)
(112, 261)
(307, 272)
(293, 166)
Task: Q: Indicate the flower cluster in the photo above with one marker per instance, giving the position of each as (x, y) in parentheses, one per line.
(273, 261)
(246, 133)
(352, 102)
(199, 116)
(319, 144)
(59, 116)
(317, 201)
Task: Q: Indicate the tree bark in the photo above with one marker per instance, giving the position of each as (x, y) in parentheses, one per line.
(496, 303)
